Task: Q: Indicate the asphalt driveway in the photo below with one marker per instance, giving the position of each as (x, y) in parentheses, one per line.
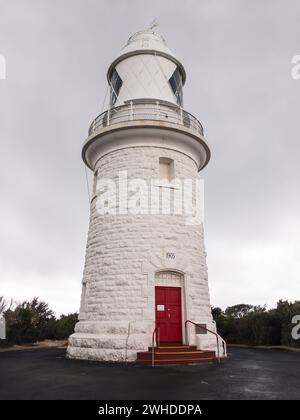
(247, 374)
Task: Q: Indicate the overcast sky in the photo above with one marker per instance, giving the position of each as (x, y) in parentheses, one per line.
(237, 55)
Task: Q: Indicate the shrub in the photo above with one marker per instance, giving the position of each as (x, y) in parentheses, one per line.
(32, 321)
(254, 325)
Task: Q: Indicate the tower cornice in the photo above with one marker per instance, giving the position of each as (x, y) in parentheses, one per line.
(110, 131)
(145, 134)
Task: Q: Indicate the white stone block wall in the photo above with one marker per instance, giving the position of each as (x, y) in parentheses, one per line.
(123, 254)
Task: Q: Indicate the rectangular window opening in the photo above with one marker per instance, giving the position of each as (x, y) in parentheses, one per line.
(166, 169)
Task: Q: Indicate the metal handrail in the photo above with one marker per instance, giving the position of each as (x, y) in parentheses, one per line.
(157, 111)
(206, 329)
(224, 345)
(155, 334)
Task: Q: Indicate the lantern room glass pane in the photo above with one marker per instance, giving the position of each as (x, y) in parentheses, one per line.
(115, 86)
(176, 86)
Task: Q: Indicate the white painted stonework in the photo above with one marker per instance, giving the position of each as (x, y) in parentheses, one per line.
(128, 255)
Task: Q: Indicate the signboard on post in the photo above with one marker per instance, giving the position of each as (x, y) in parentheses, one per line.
(2, 328)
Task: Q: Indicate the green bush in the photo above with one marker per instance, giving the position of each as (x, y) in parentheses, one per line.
(28, 322)
(254, 325)
(65, 326)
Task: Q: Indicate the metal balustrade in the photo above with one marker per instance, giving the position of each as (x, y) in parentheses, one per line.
(156, 336)
(218, 338)
(144, 111)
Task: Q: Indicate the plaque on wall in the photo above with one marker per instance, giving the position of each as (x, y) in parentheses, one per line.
(201, 329)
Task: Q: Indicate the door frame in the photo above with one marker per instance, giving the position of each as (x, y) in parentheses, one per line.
(180, 283)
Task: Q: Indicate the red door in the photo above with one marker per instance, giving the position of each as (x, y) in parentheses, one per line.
(168, 314)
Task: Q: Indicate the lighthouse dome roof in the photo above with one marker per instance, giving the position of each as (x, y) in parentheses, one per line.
(146, 41)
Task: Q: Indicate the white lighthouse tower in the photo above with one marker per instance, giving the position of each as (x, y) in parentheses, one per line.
(145, 274)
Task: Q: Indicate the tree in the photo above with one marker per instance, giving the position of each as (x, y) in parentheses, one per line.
(65, 326)
(216, 312)
(254, 325)
(238, 311)
(5, 305)
(32, 321)
(27, 323)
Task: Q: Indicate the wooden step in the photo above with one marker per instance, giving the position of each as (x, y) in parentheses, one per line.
(175, 355)
(178, 361)
(173, 348)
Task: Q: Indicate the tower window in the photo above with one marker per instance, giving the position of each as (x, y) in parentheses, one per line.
(176, 85)
(166, 169)
(115, 86)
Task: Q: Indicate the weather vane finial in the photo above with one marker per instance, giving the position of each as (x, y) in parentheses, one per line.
(153, 24)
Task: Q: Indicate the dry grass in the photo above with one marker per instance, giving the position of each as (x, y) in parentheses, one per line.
(37, 345)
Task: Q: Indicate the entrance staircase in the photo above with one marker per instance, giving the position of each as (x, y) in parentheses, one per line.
(175, 355)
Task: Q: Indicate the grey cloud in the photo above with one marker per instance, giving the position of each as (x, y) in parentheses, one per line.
(237, 57)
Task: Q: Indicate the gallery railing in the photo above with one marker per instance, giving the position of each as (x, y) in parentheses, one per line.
(144, 110)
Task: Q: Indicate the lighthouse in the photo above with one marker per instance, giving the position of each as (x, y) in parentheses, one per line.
(145, 283)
